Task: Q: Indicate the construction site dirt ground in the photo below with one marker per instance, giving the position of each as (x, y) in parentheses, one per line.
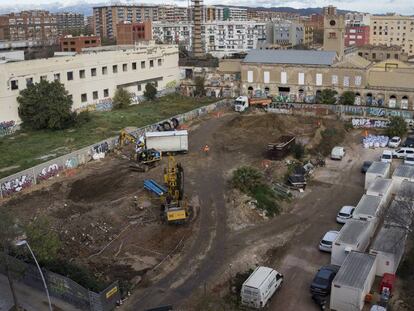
(102, 227)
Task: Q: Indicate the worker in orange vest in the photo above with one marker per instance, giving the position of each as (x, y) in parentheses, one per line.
(206, 149)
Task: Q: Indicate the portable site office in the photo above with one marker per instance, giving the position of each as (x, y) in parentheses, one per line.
(353, 282)
(377, 169)
(355, 235)
(402, 173)
(388, 246)
(405, 192)
(369, 208)
(381, 187)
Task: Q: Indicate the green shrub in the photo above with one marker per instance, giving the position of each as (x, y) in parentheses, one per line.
(246, 178)
(397, 127)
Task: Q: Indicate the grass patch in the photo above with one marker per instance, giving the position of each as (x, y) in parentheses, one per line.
(25, 148)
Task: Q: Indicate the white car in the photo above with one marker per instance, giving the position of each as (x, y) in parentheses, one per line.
(386, 156)
(401, 153)
(337, 153)
(409, 159)
(394, 142)
(345, 213)
(325, 244)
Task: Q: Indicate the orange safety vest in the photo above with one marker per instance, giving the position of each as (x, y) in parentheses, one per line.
(206, 148)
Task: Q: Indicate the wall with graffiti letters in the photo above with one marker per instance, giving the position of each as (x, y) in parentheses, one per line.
(8, 127)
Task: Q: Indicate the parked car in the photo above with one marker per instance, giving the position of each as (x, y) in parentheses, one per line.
(337, 153)
(345, 213)
(365, 166)
(321, 284)
(386, 156)
(394, 142)
(409, 159)
(409, 142)
(402, 152)
(325, 244)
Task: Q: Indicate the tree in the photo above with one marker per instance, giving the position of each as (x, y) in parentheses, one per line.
(121, 99)
(199, 86)
(150, 92)
(347, 98)
(45, 105)
(246, 178)
(397, 127)
(327, 97)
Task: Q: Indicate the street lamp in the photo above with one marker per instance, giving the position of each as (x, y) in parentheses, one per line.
(24, 242)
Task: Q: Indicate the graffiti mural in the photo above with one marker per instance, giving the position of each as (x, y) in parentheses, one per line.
(16, 185)
(7, 127)
(49, 171)
(71, 163)
(369, 123)
(104, 104)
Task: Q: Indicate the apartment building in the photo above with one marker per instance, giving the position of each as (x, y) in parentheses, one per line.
(173, 33)
(356, 18)
(91, 76)
(356, 35)
(393, 29)
(129, 33)
(378, 53)
(31, 28)
(173, 13)
(71, 43)
(70, 23)
(222, 13)
(268, 15)
(285, 33)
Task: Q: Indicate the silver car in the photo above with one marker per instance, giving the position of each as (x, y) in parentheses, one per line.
(325, 244)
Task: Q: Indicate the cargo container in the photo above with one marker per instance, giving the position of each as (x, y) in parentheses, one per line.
(377, 169)
(353, 282)
(354, 236)
(171, 141)
(388, 246)
(257, 290)
(369, 208)
(401, 173)
(381, 187)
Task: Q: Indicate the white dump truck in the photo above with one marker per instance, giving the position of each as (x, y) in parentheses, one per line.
(169, 141)
(260, 287)
(243, 102)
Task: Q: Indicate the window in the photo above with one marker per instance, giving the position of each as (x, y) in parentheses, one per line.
(155, 83)
(283, 77)
(106, 93)
(319, 79)
(56, 77)
(29, 81)
(72, 42)
(84, 97)
(69, 75)
(266, 76)
(346, 81)
(151, 63)
(104, 70)
(82, 73)
(374, 55)
(143, 65)
(250, 76)
(139, 87)
(358, 80)
(95, 95)
(301, 78)
(43, 78)
(14, 84)
(159, 62)
(134, 66)
(93, 72)
(124, 67)
(115, 68)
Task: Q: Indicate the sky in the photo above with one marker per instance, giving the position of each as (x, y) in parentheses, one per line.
(405, 7)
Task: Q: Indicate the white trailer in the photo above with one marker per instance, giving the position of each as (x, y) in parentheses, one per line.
(388, 246)
(355, 235)
(377, 169)
(402, 173)
(353, 282)
(170, 141)
(260, 287)
(381, 187)
(369, 208)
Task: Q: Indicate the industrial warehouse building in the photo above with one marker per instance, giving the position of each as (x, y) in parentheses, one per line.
(91, 76)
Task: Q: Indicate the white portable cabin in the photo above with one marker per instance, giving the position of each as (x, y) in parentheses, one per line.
(377, 169)
(402, 173)
(169, 141)
(381, 187)
(369, 208)
(388, 246)
(355, 235)
(353, 282)
(405, 192)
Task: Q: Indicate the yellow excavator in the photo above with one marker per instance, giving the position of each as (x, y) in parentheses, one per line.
(175, 205)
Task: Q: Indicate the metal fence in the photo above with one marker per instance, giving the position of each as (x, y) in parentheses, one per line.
(66, 163)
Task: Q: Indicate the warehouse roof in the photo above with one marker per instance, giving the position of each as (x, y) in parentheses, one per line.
(351, 231)
(368, 205)
(404, 171)
(390, 240)
(406, 191)
(379, 185)
(297, 57)
(355, 270)
(378, 168)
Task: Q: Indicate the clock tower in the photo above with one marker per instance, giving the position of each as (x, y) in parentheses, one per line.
(334, 34)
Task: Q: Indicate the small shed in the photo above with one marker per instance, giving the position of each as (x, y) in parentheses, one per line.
(353, 282)
(381, 187)
(369, 208)
(402, 173)
(388, 246)
(355, 235)
(377, 169)
(405, 193)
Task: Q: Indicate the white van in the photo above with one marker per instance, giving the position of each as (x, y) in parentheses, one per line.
(386, 156)
(337, 153)
(402, 152)
(260, 287)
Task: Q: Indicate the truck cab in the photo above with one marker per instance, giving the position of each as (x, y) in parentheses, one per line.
(241, 103)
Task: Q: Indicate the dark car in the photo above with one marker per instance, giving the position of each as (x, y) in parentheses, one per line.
(321, 284)
(409, 142)
(365, 166)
